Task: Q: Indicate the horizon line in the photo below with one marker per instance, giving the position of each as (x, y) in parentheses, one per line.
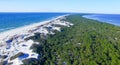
(61, 12)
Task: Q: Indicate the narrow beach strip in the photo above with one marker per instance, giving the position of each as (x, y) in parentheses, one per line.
(13, 46)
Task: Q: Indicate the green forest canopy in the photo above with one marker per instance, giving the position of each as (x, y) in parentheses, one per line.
(88, 42)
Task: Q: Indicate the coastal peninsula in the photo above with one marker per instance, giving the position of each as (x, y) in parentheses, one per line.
(65, 40)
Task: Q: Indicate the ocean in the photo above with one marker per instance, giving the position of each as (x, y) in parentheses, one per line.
(10, 21)
(108, 18)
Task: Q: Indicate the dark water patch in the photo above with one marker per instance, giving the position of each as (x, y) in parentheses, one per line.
(23, 56)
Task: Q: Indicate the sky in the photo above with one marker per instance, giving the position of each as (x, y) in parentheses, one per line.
(78, 6)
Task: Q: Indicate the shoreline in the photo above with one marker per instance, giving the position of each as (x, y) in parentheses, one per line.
(20, 30)
(13, 43)
(26, 28)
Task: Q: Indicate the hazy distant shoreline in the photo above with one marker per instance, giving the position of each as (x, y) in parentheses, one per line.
(107, 18)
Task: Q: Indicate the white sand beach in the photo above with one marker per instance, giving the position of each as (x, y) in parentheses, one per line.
(13, 42)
